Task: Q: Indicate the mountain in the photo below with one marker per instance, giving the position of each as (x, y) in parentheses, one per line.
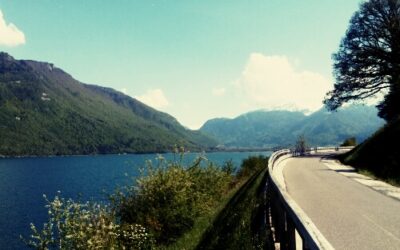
(332, 128)
(44, 111)
(254, 129)
(281, 128)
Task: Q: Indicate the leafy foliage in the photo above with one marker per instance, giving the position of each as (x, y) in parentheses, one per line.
(170, 196)
(75, 225)
(44, 111)
(349, 142)
(368, 60)
(252, 165)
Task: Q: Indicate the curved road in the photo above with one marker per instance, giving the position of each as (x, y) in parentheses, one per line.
(349, 214)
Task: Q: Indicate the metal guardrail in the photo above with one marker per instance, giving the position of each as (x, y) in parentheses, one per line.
(285, 216)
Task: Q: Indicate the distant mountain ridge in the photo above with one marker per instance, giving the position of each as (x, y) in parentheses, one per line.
(281, 128)
(44, 111)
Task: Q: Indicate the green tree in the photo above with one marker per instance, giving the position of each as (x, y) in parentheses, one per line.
(352, 141)
(368, 60)
(251, 165)
(301, 145)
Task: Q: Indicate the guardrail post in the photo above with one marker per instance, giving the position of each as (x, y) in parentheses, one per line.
(276, 217)
(305, 246)
(281, 228)
(290, 234)
(285, 232)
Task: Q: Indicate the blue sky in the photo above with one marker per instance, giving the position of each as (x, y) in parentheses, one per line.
(193, 59)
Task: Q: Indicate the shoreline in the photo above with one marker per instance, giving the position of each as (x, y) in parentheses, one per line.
(228, 150)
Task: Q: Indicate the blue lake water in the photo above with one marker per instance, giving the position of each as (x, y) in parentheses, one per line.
(23, 181)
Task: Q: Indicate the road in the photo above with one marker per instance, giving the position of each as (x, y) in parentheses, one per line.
(349, 214)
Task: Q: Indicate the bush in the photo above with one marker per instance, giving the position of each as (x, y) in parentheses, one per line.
(349, 142)
(87, 225)
(228, 167)
(168, 198)
(252, 165)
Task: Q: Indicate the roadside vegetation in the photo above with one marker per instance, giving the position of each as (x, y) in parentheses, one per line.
(352, 141)
(240, 224)
(379, 156)
(169, 206)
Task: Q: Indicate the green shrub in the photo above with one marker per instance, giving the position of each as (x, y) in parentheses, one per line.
(349, 142)
(228, 167)
(252, 165)
(168, 198)
(87, 225)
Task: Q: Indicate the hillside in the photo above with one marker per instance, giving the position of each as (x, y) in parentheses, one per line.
(332, 128)
(254, 129)
(379, 154)
(44, 111)
(281, 128)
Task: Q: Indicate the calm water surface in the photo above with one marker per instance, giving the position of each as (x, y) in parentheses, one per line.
(23, 181)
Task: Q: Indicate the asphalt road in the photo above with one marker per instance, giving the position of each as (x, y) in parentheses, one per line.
(349, 214)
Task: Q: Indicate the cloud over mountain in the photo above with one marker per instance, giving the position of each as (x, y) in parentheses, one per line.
(154, 98)
(273, 82)
(10, 35)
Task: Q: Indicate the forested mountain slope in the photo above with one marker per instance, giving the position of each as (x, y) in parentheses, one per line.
(44, 111)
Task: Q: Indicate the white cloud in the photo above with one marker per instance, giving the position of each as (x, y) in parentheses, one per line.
(272, 82)
(218, 91)
(154, 98)
(10, 35)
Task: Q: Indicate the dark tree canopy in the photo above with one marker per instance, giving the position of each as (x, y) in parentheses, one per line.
(368, 60)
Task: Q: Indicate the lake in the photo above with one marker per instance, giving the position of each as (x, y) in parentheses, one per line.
(23, 181)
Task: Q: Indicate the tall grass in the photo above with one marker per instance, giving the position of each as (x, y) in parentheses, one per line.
(240, 224)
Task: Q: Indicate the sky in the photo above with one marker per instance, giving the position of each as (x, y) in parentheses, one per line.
(193, 59)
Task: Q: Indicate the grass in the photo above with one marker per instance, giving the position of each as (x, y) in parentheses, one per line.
(234, 224)
(379, 156)
(239, 224)
(391, 181)
(192, 238)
